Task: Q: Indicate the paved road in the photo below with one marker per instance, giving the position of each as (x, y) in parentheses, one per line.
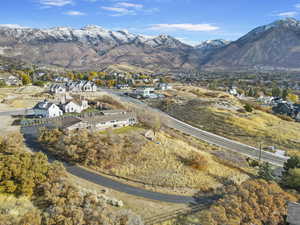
(211, 138)
(30, 134)
(15, 112)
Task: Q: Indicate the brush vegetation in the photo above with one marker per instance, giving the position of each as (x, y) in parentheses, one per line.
(167, 161)
(35, 192)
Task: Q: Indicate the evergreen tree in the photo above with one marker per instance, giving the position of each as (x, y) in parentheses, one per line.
(276, 92)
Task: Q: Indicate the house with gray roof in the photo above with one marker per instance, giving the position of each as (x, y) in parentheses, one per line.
(47, 109)
(102, 122)
(74, 106)
(57, 89)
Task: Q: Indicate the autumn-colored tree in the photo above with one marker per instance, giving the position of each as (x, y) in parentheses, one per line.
(253, 202)
(293, 98)
(25, 78)
(92, 75)
(111, 83)
(55, 200)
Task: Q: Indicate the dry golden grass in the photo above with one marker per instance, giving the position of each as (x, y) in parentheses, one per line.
(127, 68)
(15, 207)
(266, 128)
(219, 113)
(19, 97)
(164, 164)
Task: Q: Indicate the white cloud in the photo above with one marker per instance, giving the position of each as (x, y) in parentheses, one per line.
(74, 13)
(297, 6)
(13, 26)
(124, 7)
(184, 26)
(58, 3)
(129, 5)
(288, 14)
(119, 11)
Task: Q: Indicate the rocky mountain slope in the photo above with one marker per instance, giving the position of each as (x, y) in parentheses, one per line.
(94, 47)
(273, 47)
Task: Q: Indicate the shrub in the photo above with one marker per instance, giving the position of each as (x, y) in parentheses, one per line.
(248, 108)
(253, 202)
(285, 117)
(198, 162)
(39, 83)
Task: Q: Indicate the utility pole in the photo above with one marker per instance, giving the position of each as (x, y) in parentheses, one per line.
(260, 151)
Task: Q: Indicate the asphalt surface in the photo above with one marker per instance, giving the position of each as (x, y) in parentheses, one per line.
(30, 135)
(15, 112)
(211, 138)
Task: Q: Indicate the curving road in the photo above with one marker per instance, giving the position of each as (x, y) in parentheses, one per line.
(30, 135)
(211, 138)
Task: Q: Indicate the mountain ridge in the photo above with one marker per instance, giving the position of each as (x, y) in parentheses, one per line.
(275, 46)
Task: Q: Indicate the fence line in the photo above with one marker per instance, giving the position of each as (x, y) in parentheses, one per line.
(174, 214)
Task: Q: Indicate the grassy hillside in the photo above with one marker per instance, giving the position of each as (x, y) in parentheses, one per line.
(222, 114)
(169, 161)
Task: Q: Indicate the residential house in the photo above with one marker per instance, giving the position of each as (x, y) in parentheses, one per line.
(47, 109)
(144, 92)
(102, 122)
(81, 86)
(13, 81)
(267, 100)
(123, 86)
(57, 89)
(284, 109)
(61, 79)
(75, 106)
(163, 86)
(233, 91)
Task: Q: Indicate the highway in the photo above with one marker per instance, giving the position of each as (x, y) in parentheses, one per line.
(208, 137)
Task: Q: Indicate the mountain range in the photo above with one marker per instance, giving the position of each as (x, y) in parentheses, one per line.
(270, 47)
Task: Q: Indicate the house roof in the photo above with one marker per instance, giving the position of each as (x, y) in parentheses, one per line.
(113, 111)
(69, 121)
(45, 105)
(106, 118)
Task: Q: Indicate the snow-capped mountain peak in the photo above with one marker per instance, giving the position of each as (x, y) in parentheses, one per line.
(212, 44)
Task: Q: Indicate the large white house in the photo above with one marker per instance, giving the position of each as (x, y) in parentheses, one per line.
(102, 122)
(81, 86)
(74, 106)
(58, 89)
(47, 109)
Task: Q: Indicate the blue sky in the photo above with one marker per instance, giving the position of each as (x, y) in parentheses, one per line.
(191, 21)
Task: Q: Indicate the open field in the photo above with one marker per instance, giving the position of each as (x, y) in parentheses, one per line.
(164, 162)
(20, 97)
(222, 114)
